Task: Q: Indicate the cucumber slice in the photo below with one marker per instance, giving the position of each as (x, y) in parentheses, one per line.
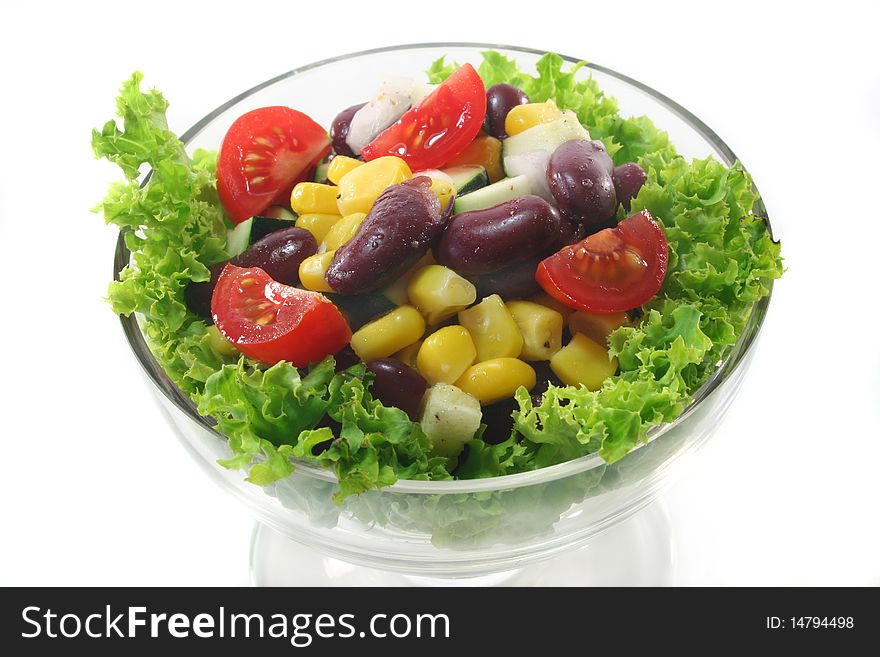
(239, 238)
(503, 190)
(279, 212)
(545, 136)
(249, 231)
(321, 172)
(467, 178)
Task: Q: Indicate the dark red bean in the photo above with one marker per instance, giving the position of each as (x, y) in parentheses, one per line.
(339, 130)
(345, 358)
(579, 174)
(628, 180)
(484, 241)
(514, 282)
(500, 99)
(400, 228)
(279, 254)
(498, 418)
(359, 309)
(397, 384)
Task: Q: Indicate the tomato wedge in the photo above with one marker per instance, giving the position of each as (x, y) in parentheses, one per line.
(610, 271)
(271, 322)
(440, 127)
(263, 155)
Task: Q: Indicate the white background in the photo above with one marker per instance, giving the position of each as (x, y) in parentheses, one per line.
(95, 489)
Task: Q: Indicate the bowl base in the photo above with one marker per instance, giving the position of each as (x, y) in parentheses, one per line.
(636, 552)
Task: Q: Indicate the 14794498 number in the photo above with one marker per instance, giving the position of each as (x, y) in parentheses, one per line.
(809, 622)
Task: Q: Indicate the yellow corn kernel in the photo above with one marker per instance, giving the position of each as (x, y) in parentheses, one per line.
(339, 166)
(359, 188)
(220, 344)
(555, 304)
(446, 354)
(396, 293)
(341, 232)
(492, 328)
(388, 334)
(317, 224)
(309, 197)
(595, 326)
(313, 270)
(408, 355)
(541, 329)
(522, 117)
(496, 379)
(583, 362)
(444, 192)
(439, 292)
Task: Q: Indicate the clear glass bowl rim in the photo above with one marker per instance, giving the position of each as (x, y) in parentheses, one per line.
(548, 474)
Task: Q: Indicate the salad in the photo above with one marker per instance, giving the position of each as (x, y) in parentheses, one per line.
(486, 273)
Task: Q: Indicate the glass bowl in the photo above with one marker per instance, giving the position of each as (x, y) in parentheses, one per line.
(449, 529)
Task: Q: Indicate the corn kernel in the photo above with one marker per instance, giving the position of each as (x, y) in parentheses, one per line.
(388, 334)
(408, 355)
(359, 188)
(220, 344)
(317, 224)
(541, 329)
(396, 293)
(596, 326)
(439, 292)
(446, 354)
(444, 192)
(310, 197)
(555, 304)
(313, 270)
(522, 117)
(583, 362)
(496, 379)
(341, 232)
(339, 166)
(492, 328)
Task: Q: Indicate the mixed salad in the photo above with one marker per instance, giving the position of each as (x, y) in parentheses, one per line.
(484, 274)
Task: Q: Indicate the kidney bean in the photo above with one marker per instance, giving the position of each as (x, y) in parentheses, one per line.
(484, 241)
(399, 229)
(397, 384)
(339, 130)
(580, 180)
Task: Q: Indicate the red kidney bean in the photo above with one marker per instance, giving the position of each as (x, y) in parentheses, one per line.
(628, 180)
(397, 384)
(580, 180)
(399, 229)
(484, 241)
(339, 130)
(500, 99)
(516, 281)
(279, 254)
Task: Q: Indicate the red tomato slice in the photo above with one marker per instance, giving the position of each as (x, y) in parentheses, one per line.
(265, 153)
(610, 271)
(271, 322)
(440, 127)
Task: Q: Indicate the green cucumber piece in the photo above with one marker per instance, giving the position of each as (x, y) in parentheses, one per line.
(467, 178)
(239, 238)
(279, 212)
(321, 172)
(545, 136)
(503, 190)
(250, 230)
